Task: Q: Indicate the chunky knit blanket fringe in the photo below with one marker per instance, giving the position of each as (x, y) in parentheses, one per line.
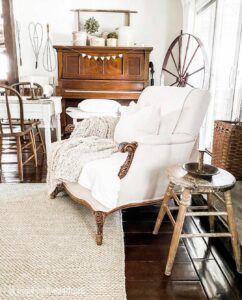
(91, 139)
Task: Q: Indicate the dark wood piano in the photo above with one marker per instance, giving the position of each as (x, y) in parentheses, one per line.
(121, 79)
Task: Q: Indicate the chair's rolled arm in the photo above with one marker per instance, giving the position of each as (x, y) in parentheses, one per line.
(130, 148)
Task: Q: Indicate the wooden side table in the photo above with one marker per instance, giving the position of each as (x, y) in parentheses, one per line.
(181, 183)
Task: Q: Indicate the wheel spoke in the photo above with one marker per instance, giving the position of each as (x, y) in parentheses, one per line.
(185, 59)
(179, 62)
(170, 73)
(190, 61)
(199, 70)
(174, 83)
(190, 85)
(172, 56)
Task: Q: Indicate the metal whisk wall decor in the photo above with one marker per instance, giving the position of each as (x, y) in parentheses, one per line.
(36, 38)
(49, 55)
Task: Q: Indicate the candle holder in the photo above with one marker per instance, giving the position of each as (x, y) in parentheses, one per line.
(32, 95)
(200, 169)
(201, 160)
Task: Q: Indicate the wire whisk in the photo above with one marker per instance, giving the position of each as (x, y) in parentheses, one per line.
(49, 55)
(36, 38)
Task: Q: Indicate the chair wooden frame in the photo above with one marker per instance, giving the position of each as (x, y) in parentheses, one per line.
(17, 130)
(21, 88)
(24, 88)
(100, 216)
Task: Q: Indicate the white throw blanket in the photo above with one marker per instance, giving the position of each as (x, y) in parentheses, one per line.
(101, 178)
(91, 139)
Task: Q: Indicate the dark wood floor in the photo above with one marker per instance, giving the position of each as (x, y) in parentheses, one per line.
(202, 270)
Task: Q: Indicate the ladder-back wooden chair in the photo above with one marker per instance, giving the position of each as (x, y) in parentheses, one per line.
(24, 89)
(16, 129)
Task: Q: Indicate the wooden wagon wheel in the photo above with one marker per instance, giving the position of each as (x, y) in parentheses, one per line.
(186, 63)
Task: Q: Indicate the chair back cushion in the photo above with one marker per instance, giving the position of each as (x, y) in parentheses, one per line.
(182, 110)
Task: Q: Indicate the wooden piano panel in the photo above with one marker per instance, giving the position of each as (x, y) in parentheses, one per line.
(70, 65)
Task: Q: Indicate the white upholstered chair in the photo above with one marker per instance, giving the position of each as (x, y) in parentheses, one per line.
(143, 179)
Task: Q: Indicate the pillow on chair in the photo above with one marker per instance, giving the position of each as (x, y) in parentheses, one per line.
(136, 122)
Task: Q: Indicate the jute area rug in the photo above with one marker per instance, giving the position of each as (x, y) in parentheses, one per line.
(48, 249)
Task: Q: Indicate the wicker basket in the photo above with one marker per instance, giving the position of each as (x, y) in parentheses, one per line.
(227, 147)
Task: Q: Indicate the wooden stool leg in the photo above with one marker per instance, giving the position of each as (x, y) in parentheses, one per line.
(163, 209)
(19, 157)
(184, 203)
(233, 229)
(33, 146)
(210, 208)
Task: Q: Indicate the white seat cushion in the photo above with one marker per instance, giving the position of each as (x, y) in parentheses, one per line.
(99, 106)
(136, 122)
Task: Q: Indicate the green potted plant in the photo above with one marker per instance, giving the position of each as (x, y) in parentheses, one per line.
(112, 39)
(91, 26)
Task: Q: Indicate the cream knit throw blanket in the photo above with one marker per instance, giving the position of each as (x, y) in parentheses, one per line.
(91, 139)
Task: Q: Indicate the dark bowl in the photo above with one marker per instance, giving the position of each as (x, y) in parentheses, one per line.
(207, 172)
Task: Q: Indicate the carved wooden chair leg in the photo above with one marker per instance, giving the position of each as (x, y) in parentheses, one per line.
(233, 229)
(163, 209)
(210, 208)
(184, 203)
(100, 219)
(58, 189)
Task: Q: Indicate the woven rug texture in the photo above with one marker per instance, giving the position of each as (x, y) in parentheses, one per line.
(48, 249)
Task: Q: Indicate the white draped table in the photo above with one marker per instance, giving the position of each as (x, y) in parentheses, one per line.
(44, 110)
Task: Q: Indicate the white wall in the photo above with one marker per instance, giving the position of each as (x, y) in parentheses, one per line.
(157, 23)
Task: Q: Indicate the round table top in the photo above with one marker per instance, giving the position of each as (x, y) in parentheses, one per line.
(219, 182)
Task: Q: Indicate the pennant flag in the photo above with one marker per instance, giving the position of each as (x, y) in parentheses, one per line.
(101, 57)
